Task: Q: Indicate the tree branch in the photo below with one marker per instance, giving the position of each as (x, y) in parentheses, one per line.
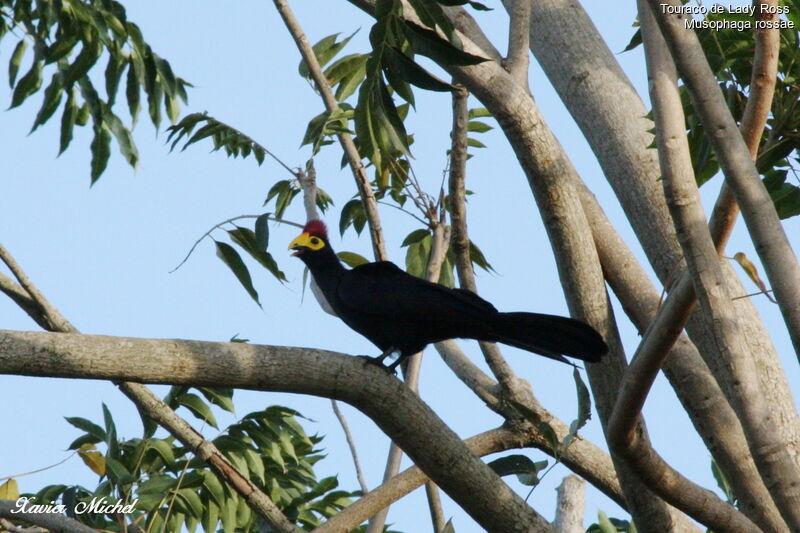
(349, 147)
(519, 12)
(49, 316)
(56, 523)
(486, 443)
(460, 236)
(777, 467)
(612, 117)
(698, 391)
(159, 411)
(769, 237)
(570, 505)
(440, 241)
(394, 408)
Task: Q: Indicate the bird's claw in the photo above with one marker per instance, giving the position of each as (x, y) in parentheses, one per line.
(377, 361)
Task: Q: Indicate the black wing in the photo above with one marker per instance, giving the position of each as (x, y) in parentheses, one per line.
(383, 290)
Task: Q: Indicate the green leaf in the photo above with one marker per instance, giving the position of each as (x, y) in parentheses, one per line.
(231, 258)
(477, 257)
(222, 397)
(16, 60)
(635, 41)
(550, 436)
(83, 439)
(479, 112)
(89, 427)
(132, 92)
(475, 5)
(214, 487)
(50, 102)
(584, 400)
(449, 527)
(415, 236)
(193, 503)
(722, 482)
(478, 126)
(413, 73)
(246, 238)
(352, 214)
(429, 44)
(117, 472)
(111, 433)
(211, 517)
(606, 526)
(85, 60)
(228, 512)
(101, 151)
(262, 232)
(325, 50)
(124, 139)
(29, 84)
(163, 449)
(526, 470)
(352, 259)
(198, 408)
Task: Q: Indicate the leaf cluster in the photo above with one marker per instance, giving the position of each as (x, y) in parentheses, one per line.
(730, 54)
(67, 39)
(173, 491)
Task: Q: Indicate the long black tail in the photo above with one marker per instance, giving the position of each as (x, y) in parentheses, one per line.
(550, 335)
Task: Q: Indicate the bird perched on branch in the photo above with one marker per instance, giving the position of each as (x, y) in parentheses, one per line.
(401, 314)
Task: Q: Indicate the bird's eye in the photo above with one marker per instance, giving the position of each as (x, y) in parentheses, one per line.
(314, 241)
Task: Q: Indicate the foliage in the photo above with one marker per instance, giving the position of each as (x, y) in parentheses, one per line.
(730, 54)
(68, 38)
(611, 525)
(173, 491)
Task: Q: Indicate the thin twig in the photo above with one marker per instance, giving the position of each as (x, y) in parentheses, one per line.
(56, 319)
(351, 443)
(228, 221)
(435, 507)
(460, 238)
(67, 458)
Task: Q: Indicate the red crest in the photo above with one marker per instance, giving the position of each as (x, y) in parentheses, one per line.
(316, 228)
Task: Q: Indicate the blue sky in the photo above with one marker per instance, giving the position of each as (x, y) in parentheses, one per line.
(103, 254)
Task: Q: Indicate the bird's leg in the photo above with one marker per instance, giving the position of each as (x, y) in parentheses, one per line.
(392, 368)
(380, 359)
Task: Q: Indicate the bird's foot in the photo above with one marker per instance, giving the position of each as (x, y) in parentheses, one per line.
(378, 360)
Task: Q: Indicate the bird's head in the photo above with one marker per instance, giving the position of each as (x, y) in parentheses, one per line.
(313, 239)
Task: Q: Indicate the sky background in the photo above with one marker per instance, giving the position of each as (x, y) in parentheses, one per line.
(103, 254)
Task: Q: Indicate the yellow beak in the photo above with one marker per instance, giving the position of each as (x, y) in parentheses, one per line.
(302, 241)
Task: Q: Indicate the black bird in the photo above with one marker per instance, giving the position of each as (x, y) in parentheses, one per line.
(401, 313)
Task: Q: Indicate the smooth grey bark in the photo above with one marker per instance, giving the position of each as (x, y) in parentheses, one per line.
(696, 387)
(546, 166)
(438, 451)
(777, 466)
(733, 155)
(569, 505)
(612, 117)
